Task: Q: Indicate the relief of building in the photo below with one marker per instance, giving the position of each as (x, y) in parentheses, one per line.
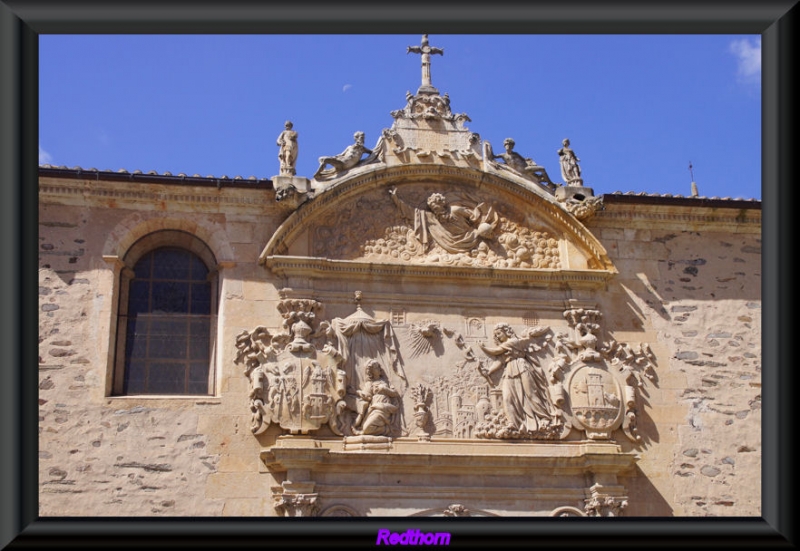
(422, 328)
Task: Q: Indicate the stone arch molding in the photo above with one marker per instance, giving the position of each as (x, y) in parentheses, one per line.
(429, 221)
(132, 228)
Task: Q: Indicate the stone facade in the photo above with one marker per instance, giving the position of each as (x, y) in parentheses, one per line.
(688, 285)
(424, 328)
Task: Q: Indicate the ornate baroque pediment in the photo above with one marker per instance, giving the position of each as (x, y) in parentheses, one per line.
(428, 220)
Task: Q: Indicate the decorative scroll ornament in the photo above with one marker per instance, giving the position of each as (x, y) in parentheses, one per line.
(579, 201)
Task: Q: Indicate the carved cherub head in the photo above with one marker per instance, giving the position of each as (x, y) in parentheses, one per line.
(503, 332)
(359, 137)
(509, 143)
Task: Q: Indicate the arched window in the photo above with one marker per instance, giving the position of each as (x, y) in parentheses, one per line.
(167, 318)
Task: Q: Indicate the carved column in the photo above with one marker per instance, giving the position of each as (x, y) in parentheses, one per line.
(602, 504)
(295, 499)
(294, 504)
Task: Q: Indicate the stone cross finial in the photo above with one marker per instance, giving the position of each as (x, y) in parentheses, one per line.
(425, 51)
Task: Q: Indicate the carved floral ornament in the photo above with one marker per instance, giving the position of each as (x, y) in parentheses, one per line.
(531, 383)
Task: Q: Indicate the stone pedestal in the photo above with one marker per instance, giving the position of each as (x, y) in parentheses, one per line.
(564, 193)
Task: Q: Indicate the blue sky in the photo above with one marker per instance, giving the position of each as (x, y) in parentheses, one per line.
(636, 108)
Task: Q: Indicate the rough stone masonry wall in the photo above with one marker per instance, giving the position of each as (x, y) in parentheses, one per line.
(121, 456)
(97, 458)
(699, 292)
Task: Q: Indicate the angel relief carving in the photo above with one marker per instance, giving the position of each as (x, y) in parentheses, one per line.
(344, 373)
(540, 384)
(528, 410)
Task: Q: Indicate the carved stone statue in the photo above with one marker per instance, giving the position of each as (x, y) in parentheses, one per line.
(524, 384)
(570, 170)
(346, 160)
(455, 228)
(287, 154)
(521, 164)
(378, 403)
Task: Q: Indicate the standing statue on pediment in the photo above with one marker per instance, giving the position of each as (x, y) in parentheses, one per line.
(287, 154)
(455, 228)
(570, 170)
(346, 160)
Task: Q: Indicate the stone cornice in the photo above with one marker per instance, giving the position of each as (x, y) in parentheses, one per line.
(288, 266)
(735, 216)
(543, 303)
(139, 177)
(103, 190)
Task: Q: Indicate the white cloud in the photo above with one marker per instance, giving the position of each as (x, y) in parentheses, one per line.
(44, 157)
(748, 56)
(346, 87)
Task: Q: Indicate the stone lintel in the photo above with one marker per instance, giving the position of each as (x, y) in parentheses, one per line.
(311, 267)
(478, 456)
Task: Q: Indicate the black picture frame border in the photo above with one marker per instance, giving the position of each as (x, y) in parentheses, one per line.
(22, 21)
